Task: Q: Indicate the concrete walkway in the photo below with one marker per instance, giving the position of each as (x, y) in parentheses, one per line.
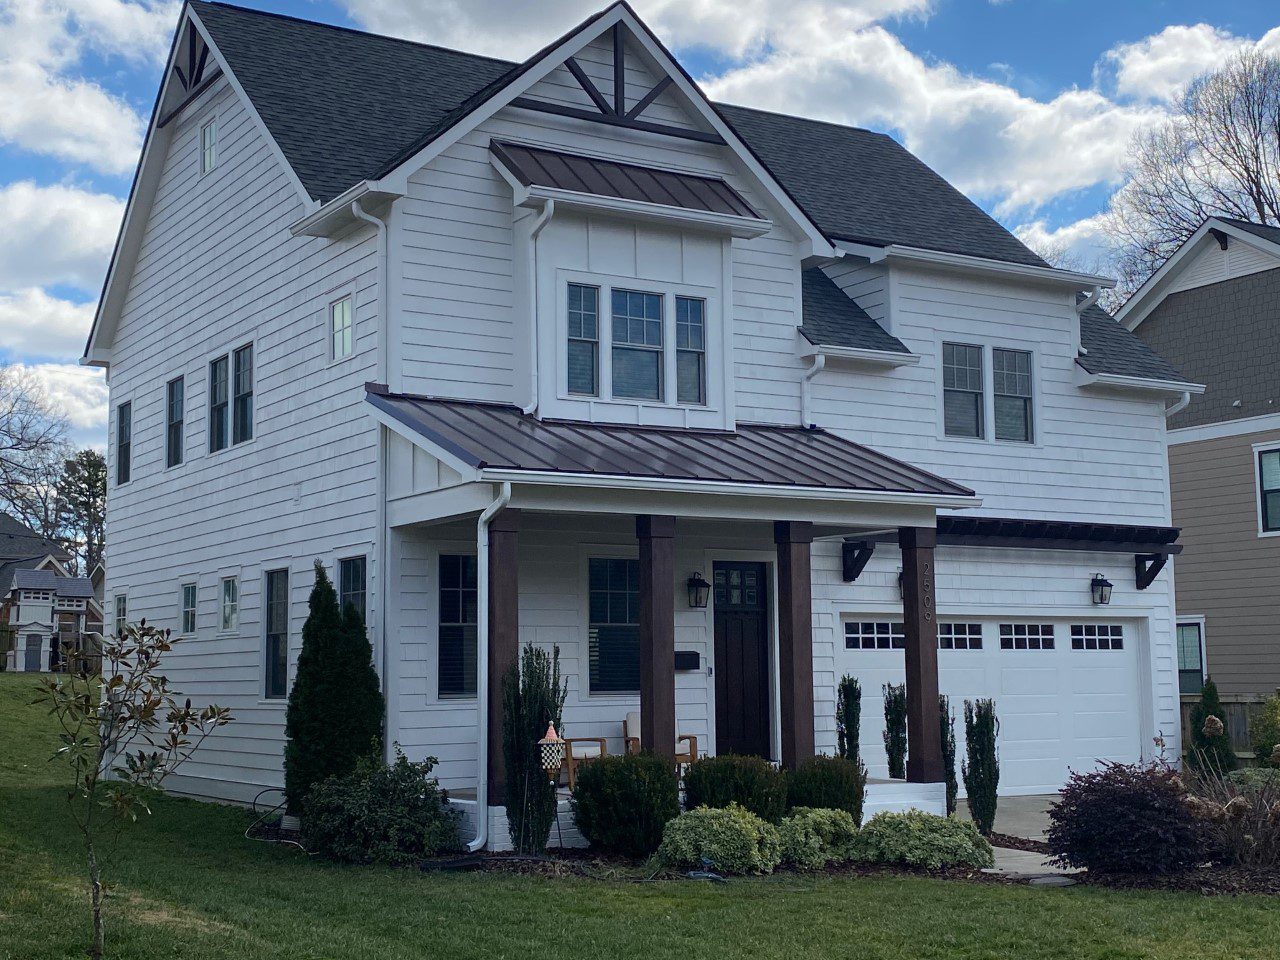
(1026, 817)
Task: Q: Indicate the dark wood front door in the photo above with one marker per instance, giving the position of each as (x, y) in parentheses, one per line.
(742, 659)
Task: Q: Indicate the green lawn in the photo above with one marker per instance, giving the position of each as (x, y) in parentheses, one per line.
(188, 884)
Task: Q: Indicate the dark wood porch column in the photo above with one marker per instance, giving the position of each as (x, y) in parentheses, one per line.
(924, 737)
(657, 634)
(504, 635)
(794, 540)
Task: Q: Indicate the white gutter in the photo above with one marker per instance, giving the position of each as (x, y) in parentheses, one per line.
(531, 282)
(819, 361)
(1178, 405)
(383, 286)
(482, 666)
(961, 261)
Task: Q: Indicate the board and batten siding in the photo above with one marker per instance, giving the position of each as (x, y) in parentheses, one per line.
(218, 269)
(1228, 574)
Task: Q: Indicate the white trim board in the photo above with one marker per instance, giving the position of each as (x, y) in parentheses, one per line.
(1226, 428)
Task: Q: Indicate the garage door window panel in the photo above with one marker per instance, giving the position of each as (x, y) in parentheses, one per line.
(1097, 636)
(1026, 636)
(874, 635)
(960, 636)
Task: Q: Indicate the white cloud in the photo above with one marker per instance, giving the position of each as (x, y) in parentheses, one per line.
(1159, 66)
(36, 324)
(55, 234)
(78, 393)
(1078, 245)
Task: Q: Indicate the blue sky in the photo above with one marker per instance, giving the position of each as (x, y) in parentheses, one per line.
(1027, 105)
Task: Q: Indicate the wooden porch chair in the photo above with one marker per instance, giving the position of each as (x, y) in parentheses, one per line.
(580, 750)
(686, 744)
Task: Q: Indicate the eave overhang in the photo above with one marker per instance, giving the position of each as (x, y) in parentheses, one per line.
(1119, 383)
(896, 253)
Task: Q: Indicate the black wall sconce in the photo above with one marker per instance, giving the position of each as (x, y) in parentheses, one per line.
(1101, 588)
(699, 592)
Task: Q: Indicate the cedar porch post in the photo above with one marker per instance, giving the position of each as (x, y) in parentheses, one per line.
(504, 635)
(657, 634)
(924, 736)
(794, 540)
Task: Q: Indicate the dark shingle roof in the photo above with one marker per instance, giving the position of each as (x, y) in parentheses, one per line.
(9, 567)
(1113, 349)
(832, 319)
(499, 436)
(76, 588)
(345, 106)
(19, 540)
(1257, 229)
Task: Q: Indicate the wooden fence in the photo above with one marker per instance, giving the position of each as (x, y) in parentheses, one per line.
(1238, 714)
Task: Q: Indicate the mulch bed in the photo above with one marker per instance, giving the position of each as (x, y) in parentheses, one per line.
(1228, 881)
(1018, 843)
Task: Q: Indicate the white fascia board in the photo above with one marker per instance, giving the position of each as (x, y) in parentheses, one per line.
(1116, 381)
(963, 262)
(722, 488)
(326, 220)
(721, 223)
(1226, 428)
(1149, 296)
(880, 358)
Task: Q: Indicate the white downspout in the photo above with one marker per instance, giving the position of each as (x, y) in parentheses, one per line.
(544, 217)
(819, 361)
(482, 666)
(382, 360)
(1178, 405)
(1094, 296)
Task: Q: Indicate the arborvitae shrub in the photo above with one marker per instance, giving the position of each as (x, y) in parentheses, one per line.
(621, 804)
(982, 766)
(532, 697)
(828, 783)
(750, 782)
(948, 724)
(1210, 747)
(895, 729)
(848, 718)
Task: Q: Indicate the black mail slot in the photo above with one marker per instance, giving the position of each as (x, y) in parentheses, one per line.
(687, 660)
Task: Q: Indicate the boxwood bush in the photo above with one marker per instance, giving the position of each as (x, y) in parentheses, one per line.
(727, 839)
(1126, 818)
(750, 782)
(622, 803)
(813, 838)
(831, 783)
(921, 840)
(380, 814)
(1255, 779)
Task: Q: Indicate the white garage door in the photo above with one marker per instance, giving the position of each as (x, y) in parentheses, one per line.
(1066, 692)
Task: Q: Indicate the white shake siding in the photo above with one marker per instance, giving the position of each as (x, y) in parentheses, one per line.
(218, 269)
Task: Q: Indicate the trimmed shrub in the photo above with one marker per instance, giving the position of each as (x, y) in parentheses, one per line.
(1264, 727)
(948, 724)
(810, 839)
(981, 768)
(750, 782)
(335, 711)
(1125, 818)
(1252, 779)
(848, 718)
(621, 804)
(727, 839)
(830, 783)
(532, 697)
(381, 814)
(1210, 747)
(895, 729)
(921, 840)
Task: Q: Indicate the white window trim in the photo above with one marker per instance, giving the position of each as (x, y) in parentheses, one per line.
(229, 352)
(713, 320)
(587, 553)
(184, 582)
(460, 548)
(1268, 446)
(988, 348)
(273, 567)
(186, 405)
(234, 629)
(210, 120)
(334, 298)
(113, 468)
(1194, 620)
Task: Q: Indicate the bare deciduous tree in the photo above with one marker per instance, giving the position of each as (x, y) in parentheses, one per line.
(31, 429)
(1218, 155)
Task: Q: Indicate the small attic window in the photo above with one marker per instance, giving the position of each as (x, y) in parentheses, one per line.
(208, 145)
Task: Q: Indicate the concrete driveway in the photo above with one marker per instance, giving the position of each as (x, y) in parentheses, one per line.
(1026, 817)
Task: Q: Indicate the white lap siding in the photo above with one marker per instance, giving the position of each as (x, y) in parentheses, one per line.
(218, 269)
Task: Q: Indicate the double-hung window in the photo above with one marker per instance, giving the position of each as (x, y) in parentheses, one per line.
(962, 390)
(584, 340)
(341, 329)
(1011, 373)
(218, 407)
(174, 399)
(208, 146)
(122, 614)
(613, 629)
(458, 617)
(124, 442)
(187, 619)
(637, 345)
(229, 605)
(1269, 490)
(691, 350)
(242, 400)
(1190, 657)
(276, 639)
(351, 590)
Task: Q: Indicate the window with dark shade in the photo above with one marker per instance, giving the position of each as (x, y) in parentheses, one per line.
(613, 630)
(962, 390)
(218, 407)
(459, 609)
(124, 442)
(242, 413)
(584, 340)
(1011, 380)
(1190, 658)
(637, 345)
(351, 577)
(276, 659)
(1269, 489)
(691, 350)
(174, 399)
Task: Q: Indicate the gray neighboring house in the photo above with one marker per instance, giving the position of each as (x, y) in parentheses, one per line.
(1214, 310)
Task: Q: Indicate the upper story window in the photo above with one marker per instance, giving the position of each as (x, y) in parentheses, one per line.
(962, 394)
(187, 623)
(1011, 373)
(637, 345)
(242, 400)
(124, 442)
(691, 350)
(218, 408)
(174, 399)
(229, 605)
(208, 146)
(231, 399)
(584, 340)
(1269, 490)
(341, 329)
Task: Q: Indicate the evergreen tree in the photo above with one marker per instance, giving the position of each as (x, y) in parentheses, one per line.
(1210, 748)
(895, 729)
(948, 724)
(532, 697)
(848, 717)
(982, 767)
(336, 708)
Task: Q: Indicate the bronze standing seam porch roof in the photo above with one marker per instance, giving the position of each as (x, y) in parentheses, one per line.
(499, 436)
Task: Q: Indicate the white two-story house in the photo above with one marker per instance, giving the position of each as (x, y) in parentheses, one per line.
(530, 352)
